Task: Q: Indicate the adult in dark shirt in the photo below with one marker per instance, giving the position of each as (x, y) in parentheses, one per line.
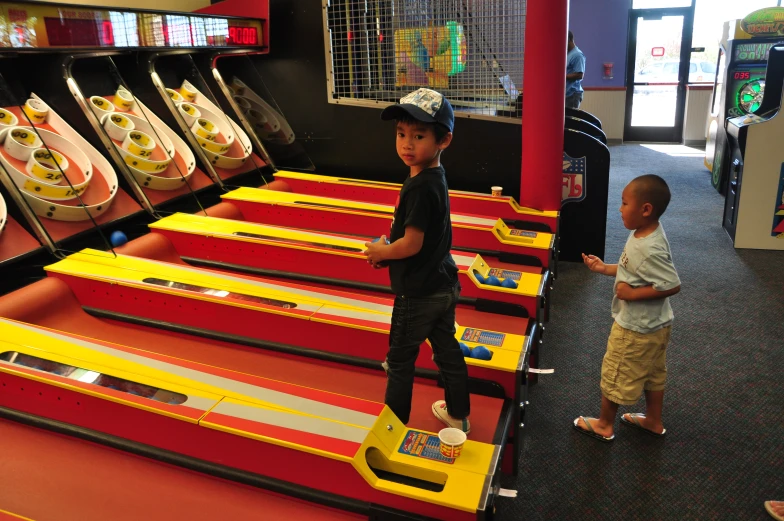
(421, 269)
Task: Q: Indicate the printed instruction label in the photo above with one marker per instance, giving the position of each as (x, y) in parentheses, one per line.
(523, 233)
(423, 445)
(505, 274)
(481, 336)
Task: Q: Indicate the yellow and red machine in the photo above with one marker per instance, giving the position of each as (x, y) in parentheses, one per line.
(285, 317)
(483, 235)
(239, 306)
(36, 455)
(338, 259)
(344, 446)
(504, 206)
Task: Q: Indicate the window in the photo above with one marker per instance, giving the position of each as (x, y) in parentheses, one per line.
(671, 68)
(470, 50)
(654, 68)
(708, 67)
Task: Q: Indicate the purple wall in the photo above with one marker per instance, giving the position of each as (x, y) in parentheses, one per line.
(600, 28)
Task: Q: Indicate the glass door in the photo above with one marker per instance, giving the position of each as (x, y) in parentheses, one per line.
(657, 74)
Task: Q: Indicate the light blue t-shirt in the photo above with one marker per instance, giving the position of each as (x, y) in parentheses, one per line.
(646, 262)
(575, 62)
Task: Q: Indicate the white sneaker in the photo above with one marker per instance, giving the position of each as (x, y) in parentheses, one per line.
(439, 410)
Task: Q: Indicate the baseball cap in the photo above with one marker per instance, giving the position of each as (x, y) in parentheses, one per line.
(424, 105)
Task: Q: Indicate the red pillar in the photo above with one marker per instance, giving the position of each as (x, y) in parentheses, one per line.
(544, 90)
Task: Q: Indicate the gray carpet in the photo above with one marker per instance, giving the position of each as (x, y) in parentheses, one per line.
(724, 405)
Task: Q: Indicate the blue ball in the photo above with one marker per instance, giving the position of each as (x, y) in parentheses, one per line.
(481, 278)
(379, 238)
(481, 353)
(492, 280)
(509, 283)
(117, 239)
(465, 349)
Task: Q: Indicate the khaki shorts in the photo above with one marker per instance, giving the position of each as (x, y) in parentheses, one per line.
(634, 362)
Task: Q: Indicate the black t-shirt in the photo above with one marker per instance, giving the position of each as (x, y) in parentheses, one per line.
(424, 204)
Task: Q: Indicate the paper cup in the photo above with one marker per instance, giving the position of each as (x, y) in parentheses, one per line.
(452, 441)
(496, 190)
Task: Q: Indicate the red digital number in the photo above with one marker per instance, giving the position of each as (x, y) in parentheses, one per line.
(107, 33)
(242, 36)
(250, 36)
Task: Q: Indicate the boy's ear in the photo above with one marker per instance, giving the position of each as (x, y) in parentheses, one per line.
(446, 141)
(647, 209)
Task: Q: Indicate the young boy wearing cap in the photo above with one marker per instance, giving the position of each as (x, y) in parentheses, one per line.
(421, 269)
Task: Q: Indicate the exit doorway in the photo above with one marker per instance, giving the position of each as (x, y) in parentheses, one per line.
(658, 70)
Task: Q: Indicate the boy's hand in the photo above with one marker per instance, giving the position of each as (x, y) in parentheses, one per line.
(375, 251)
(594, 263)
(623, 291)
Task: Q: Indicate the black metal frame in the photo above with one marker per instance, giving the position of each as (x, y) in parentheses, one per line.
(672, 134)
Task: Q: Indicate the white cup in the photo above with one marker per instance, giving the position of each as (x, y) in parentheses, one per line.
(452, 441)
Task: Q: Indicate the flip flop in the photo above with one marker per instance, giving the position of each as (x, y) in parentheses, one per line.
(590, 432)
(636, 424)
(769, 508)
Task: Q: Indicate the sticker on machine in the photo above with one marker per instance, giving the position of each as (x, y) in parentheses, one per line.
(505, 274)
(523, 233)
(573, 190)
(778, 212)
(480, 336)
(423, 445)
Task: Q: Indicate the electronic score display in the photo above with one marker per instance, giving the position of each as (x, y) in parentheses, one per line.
(239, 35)
(742, 75)
(65, 32)
(50, 26)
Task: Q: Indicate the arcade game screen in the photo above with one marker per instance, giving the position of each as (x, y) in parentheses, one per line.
(746, 82)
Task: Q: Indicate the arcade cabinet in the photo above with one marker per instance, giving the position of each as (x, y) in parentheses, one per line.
(585, 116)
(740, 81)
(586, 178)
(754, 207)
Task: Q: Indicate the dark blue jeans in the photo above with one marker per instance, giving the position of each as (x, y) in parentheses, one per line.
(415, 319)
(573, 101)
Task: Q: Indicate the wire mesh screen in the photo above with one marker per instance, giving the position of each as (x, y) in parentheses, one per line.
(470, 50)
